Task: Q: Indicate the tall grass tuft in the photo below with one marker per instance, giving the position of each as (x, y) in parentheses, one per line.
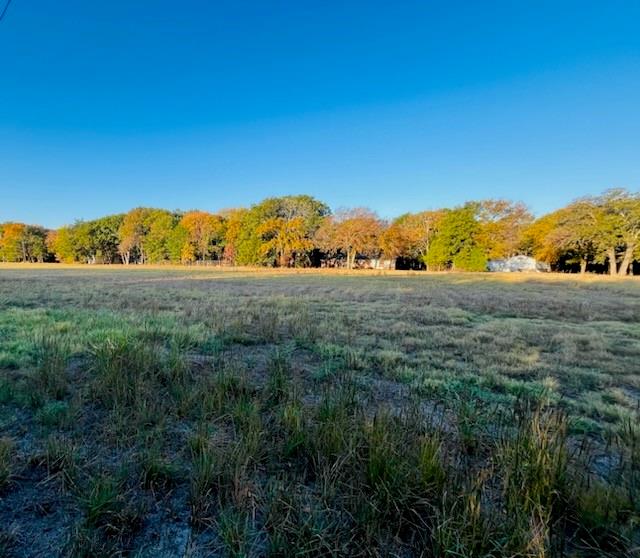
(51, 355)
(120, 365)
(156, 471)
(204, 474)
(111, 518)
(535, 485)
(103, 501)
(215, 395)
(431, 469)
(234, 528)
(6, 461)
(61, 457)
(297, 524)
(278, 377)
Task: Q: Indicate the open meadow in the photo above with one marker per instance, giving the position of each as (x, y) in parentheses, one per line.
(172, 411)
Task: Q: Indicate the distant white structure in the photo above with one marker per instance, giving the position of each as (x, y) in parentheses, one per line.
(375, 263)
(518, 264)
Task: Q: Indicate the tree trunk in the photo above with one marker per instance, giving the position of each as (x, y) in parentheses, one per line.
(626, 261)
(349, 259)
(611, 254)
(583, 266)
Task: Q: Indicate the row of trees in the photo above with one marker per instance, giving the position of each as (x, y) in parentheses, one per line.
(23, 243)
(596, 233)
(602, 230)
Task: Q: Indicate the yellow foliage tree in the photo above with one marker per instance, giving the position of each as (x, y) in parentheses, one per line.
(205, 233)
(283, 238)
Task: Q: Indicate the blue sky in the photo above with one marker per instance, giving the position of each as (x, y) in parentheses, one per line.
(399, 106)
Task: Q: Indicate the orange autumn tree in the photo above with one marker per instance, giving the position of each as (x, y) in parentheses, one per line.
(410, 235)
(233, 219)
(12, 242)
(23, 243)
(538, 238)
(394, 241)
(351, 232)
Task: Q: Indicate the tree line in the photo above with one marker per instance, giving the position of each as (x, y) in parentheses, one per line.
(598, 233)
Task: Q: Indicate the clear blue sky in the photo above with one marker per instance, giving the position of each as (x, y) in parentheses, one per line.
(395, 105)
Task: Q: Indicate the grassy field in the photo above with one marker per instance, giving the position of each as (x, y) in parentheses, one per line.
(203, 412)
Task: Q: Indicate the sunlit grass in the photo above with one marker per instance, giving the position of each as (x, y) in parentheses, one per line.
(284, 413)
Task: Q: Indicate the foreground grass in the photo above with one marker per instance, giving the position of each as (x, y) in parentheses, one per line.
(170, 412)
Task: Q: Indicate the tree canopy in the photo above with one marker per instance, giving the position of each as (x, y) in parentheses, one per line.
(597, 233)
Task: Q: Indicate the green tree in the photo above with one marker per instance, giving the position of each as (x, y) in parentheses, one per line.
(456, 245)
(247, 241)
(105, 238)
(35, 243)
(160, 226)
(179, 250)
(62, 244)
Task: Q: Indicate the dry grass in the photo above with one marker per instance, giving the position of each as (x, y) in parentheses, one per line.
(170, 411)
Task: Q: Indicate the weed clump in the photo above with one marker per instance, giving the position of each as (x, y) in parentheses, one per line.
(6, 461)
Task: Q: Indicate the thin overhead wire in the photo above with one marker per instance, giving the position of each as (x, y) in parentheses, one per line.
(4, 11)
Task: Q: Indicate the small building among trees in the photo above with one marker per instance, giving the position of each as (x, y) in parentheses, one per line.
(518, 264)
